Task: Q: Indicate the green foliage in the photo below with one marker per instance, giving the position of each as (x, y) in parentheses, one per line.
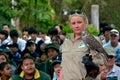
(30, 13)
(67, 29)
(5, 12)
(111, 13)
(92, 30)
(45, 13)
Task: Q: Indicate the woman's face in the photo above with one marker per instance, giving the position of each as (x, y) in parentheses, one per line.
(2, 59)
(77, 24)
(28, 66)
(7, 71)
(55, 40)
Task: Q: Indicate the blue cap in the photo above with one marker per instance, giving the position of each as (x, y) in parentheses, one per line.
(57, 59)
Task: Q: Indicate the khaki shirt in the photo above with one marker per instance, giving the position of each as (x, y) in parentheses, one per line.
(72, 53)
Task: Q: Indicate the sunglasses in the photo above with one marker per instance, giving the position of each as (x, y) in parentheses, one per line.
(75, 12)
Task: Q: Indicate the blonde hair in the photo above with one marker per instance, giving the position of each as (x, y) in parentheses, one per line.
(81, 15)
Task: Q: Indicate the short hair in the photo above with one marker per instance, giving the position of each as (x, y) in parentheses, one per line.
(103, 24)
(25, 29)
(32, 30)
(59, 26)
(18, 70)
(78, 13)
(4, 32)
(6, 25)
(62, 33)
(107, 28)
(42, 32)
(14, 44)
(53, 31)
(14, 33)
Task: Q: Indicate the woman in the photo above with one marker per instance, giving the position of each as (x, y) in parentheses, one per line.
(74, 49)
(5, 71)
(28, 71)
(3, 57)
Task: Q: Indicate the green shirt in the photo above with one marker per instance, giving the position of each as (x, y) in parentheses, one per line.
(39, 75)
(49, 68)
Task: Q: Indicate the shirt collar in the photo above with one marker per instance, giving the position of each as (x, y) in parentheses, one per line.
(72, 37)
(37, 74)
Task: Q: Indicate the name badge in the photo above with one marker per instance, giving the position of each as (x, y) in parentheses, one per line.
(82, 44)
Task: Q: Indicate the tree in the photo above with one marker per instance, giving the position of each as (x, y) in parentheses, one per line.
(5, 12)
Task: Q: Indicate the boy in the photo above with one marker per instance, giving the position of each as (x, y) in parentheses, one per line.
(57, 67)
(51, 50)
(16, 53)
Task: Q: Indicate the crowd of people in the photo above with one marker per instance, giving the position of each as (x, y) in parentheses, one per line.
(37, 55)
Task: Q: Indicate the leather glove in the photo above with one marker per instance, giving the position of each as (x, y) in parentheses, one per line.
(91, 68)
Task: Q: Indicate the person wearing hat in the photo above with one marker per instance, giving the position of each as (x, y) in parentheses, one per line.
(106, 32)
(30, 48)
(114, 43)
(51, 50)
(3, 38)
(112, 71)
(57, 67)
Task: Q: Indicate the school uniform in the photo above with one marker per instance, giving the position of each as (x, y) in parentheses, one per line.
(39, 75)
(49, 68)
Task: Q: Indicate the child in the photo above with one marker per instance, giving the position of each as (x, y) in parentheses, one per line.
(27, 71)
(56, 39)
(3, 39)
(16, 53)
(51, 50)
(5, 71)
(57, 66)
(41, 62)
(3, 57)
(30, 48)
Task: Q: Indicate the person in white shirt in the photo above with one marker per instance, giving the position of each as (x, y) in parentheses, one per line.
(112, 70)
(34, 35)
(7, 28)
(106, 32)
(15, 38)
(57, 67)
(114, 43)
(3, 38)
(44, 37)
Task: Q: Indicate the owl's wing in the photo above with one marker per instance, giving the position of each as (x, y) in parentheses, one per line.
(92, 43)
